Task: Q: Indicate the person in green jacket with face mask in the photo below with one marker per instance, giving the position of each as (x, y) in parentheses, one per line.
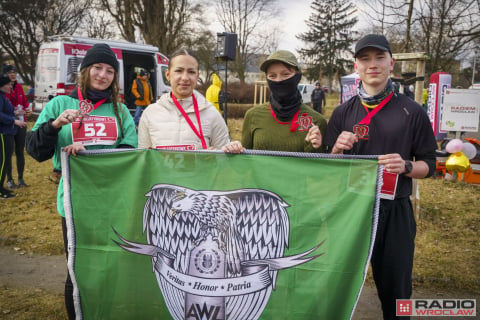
(286, 123)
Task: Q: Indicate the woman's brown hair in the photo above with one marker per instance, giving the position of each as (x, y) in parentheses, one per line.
(84, 80)
(182, 52)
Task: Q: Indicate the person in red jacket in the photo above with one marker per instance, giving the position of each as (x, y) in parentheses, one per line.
(19, 101)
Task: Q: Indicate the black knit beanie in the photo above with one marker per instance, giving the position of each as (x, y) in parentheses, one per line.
(100, 53)
(8, 67)
(4, 79)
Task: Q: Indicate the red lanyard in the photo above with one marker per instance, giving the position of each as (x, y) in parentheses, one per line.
(199, 132)
(369, 116)
(293, 124)
(85, 106)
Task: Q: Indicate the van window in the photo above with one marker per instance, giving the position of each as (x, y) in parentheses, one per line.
(164, 68)
(73, 69)
(46, 68)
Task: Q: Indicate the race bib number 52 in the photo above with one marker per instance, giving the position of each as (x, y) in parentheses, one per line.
(95, 130)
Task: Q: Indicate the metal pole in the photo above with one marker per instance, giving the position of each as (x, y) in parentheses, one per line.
(473, 69)
(226, 92)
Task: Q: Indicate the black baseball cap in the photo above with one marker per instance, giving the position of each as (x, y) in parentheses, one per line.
(372, 40)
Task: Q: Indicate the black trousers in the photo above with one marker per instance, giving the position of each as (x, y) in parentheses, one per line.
(317, 107)
(6, 149)
(19, 149)
(69, 305)
(392, 258)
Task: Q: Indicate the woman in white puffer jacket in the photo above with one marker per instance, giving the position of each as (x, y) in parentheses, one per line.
(183, 119)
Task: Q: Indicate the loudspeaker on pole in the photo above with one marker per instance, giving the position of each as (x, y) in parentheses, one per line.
(226, 46)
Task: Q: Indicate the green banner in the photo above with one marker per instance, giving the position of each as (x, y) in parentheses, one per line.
(207, 235)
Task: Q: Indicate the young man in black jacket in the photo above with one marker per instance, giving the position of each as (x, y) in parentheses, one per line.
(380, 121)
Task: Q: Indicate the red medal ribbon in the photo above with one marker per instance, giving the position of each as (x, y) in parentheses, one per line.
(361, 129)
(85, 105)
(199, 132)
(293, 125)
(369, 116)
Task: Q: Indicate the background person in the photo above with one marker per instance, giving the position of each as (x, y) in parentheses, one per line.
(142, 90)
(183, 118)
(62, 121)
(286, 124)
(8, 128)
(213, 92)
(380, 121)
(318, 98)
(19, 100)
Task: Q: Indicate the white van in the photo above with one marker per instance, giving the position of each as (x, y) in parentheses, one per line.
(306, 91)
(59, 60)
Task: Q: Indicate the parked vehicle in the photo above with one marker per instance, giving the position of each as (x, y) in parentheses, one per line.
(306, 91)
(327, 89)
(59, 59)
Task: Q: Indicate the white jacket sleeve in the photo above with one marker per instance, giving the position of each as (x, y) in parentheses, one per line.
(220, 135)
(144, 141)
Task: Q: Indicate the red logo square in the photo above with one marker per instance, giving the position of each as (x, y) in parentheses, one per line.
(404, 307)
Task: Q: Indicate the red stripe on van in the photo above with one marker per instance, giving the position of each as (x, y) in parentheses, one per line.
(48, 50)
(75, 49)
(62, 89)
(161, 59)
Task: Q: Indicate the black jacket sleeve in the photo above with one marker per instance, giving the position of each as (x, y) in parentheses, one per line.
(41, 143)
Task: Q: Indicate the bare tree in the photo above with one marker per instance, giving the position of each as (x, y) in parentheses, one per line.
(123, 12)
(445, 29)
(63, 16)
(99, 24)
(386, 15)
(24, 24)
(246, 18)
(449, 29)
(162, 23)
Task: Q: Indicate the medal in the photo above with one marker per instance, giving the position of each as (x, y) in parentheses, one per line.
(305, 121)
(85, 107)
(361, 131)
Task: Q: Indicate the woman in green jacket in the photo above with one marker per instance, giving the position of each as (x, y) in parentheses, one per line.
(89, 118)
(286, 124)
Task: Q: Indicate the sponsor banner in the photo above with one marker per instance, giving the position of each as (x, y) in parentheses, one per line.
(437, 307)
(162, 234)
(461, 110)
(439, 82)
(348, 85)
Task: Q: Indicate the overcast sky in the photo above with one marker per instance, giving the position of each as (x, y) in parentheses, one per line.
(295, 12)
(291, 23)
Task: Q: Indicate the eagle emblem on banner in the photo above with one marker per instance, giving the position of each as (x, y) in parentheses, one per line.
(216, 254)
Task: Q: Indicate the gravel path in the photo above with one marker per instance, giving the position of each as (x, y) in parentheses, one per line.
(49, 272)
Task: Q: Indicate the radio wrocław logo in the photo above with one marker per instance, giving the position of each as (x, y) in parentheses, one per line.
(436, 307)
(216, 254)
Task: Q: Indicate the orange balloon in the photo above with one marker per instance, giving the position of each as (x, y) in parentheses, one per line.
(457, 161)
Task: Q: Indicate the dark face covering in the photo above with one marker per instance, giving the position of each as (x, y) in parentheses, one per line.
(285, 99)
